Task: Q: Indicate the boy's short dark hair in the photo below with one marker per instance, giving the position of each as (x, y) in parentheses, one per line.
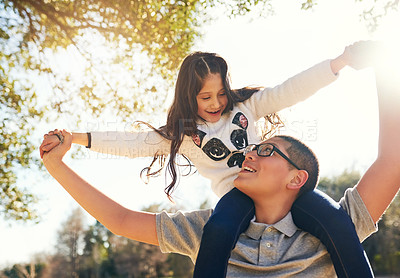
(305, 158)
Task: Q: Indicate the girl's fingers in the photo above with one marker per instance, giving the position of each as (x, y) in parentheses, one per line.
(52, 132)
(41, 153)
(42, 149)
(46, 148)
(48, 144)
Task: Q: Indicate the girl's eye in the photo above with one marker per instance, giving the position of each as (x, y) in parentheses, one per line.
(205, 98)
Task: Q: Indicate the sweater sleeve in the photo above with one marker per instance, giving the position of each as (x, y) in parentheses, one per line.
(129, 144)
(292, 91)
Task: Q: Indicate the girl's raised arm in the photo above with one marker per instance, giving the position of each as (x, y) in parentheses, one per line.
(304, 84)
(143, 143)
(80, 138)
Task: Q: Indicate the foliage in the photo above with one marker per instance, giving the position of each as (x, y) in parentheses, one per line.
(149, 38)
(337, 185)
(373, 14)
(97, 58)
(15, 145)
(24, 271)
(66, 261)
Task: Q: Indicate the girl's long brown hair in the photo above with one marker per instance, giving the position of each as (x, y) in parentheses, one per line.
(182, 115)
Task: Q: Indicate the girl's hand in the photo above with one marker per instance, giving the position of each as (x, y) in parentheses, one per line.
(56, 152)
(362, 54)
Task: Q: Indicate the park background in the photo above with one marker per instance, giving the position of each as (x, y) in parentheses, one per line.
(264, 46)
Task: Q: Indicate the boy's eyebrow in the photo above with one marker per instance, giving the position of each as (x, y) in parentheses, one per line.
(274, 144)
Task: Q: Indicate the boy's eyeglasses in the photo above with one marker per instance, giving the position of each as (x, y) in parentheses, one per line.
(267, 149)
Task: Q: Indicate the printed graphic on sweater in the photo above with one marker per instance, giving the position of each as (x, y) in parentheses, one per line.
(236, 159)
(240, 120)
(239, 139)
(217, 150)
(198, 138)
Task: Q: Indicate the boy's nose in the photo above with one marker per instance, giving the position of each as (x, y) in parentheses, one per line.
(250, 155)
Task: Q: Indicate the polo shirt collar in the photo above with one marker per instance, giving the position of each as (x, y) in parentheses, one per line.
(286, 226)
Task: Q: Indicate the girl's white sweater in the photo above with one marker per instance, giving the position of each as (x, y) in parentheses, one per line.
(217, 149)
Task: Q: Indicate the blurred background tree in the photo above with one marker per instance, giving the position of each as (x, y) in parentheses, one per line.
(81, 59)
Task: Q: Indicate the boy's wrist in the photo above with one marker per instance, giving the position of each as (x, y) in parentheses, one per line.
(51, 161)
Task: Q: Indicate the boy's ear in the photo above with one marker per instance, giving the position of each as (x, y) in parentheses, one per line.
(299, 180)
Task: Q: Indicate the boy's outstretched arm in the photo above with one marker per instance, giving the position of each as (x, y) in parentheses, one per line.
(381, 182)
(139, 226)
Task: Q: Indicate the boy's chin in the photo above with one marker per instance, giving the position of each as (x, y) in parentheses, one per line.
(239, 184)
(236, 183)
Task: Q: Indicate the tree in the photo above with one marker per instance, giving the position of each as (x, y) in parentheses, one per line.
(337, 185)
(180, 266)
(23, 271)
(15, 144)
(66, 261)
(31, 35)
(126, 51)
(96, 261)
(108, 255)
(117, 58)
(136, 259)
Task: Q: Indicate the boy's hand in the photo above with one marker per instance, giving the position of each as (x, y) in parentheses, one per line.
(50, 141)
(55, 144)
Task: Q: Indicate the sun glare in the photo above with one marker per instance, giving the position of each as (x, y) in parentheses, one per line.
(388, 33)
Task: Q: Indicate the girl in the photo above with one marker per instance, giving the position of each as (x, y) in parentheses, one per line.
(210, 125)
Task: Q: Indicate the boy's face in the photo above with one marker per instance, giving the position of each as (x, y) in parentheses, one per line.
(262, 177)
(212, 99)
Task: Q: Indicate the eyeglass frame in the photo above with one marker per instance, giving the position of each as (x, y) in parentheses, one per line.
(256, 147)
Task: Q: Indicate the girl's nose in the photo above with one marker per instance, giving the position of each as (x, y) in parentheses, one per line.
(216, 103)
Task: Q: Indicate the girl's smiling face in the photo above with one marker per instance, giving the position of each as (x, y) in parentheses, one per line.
(212, 99)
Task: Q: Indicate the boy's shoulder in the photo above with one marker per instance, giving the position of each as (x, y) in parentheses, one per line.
(353, 204)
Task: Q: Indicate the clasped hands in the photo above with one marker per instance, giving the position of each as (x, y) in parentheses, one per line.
(55, 144)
